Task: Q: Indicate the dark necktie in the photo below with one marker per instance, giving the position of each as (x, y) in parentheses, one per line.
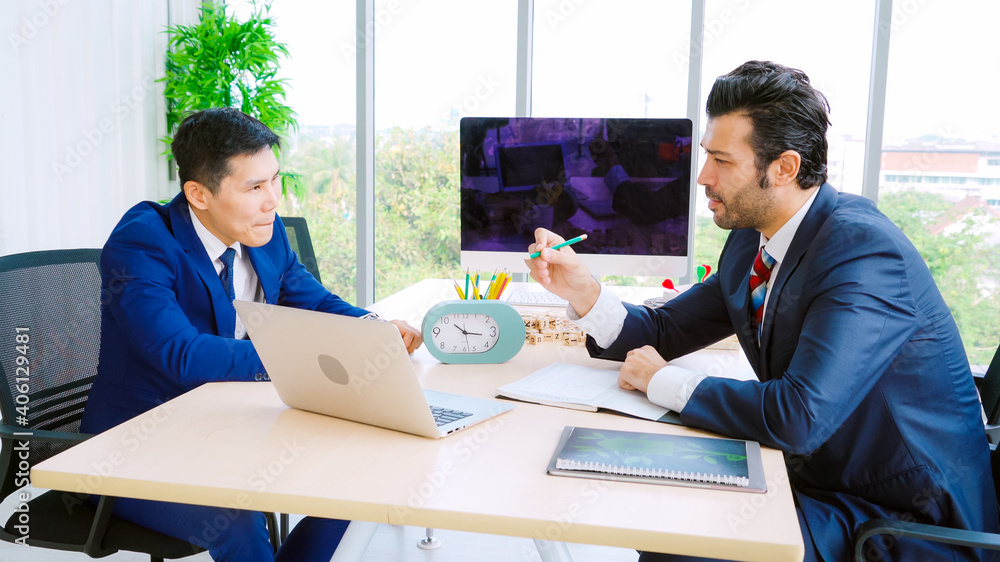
(758, 286)
(226, 275)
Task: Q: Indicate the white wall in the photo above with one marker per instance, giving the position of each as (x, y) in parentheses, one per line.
(80, 115)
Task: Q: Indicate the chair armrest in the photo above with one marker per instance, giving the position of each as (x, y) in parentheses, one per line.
(993, 434)
(15, 432)
(979, 379)
(897, 528)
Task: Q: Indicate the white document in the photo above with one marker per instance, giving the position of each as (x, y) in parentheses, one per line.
(581, 388)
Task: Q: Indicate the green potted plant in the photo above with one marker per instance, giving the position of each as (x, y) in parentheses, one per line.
(223, 62)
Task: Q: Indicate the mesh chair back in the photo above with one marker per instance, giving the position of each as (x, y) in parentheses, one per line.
(50, 336)
(298, 238)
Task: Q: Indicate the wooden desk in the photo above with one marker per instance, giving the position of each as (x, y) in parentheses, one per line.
(236, 445)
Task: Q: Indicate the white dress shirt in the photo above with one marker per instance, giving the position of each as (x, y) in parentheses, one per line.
(245, 283)
(671, 386)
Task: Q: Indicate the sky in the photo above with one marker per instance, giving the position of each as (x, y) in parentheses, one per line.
(438, 59)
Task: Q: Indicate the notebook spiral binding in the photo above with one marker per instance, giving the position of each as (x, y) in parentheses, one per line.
(740, 481)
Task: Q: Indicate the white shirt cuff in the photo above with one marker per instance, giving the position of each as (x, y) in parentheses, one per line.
(672, 387)
(604, 321)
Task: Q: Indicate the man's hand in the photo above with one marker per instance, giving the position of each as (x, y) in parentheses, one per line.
(639, 367)
(411, 336)
(562, 273)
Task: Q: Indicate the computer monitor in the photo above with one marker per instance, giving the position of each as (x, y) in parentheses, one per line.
(626, 183)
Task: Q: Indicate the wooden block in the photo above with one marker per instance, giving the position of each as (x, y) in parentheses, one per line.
(533, 339)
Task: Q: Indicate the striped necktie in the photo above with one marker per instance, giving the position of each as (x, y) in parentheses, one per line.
(758, 286)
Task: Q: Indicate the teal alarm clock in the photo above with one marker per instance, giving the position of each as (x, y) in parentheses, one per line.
(473, 331)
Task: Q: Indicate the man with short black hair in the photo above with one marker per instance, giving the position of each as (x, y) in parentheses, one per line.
(862, 381)
(169, 277)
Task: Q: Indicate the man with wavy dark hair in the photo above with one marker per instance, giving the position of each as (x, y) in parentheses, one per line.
(862, 381)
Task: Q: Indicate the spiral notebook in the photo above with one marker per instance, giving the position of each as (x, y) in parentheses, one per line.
(676, 460)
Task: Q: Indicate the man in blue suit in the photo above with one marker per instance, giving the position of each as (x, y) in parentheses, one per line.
(169, 276)
(862, 377)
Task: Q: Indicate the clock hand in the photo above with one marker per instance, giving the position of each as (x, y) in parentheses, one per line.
(460, 329)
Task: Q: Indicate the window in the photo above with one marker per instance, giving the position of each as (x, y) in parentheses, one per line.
(735, 33)
(738, 31)
(435, 62)
(963, 260)
(611, 59)
(321, 78)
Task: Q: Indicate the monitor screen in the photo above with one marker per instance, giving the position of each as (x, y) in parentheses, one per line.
(626, 183)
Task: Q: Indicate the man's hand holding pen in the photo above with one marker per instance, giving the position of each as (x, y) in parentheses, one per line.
(562, 272)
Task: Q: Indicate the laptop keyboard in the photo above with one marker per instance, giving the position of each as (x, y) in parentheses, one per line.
(444, 416)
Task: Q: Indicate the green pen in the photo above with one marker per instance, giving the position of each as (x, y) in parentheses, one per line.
(557, 246)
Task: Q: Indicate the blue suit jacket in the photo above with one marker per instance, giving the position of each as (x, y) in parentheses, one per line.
(863, 379)
(166, 324)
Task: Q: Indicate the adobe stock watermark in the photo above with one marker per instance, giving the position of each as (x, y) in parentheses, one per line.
(382, 18)
(31, 26)
(135, 438)
(903, 11)
(752, 504)
(713, 29)
(377, 365)
(563, 520)
(471, 442)
(265, 475)
(484, 89)
(562, 12)
(258, 480)
(93, 137)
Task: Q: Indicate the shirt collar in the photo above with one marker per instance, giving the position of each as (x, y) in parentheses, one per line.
(777, 245)
(213, 246)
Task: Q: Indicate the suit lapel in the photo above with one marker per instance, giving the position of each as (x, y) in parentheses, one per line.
(184, 233)
(817, 215)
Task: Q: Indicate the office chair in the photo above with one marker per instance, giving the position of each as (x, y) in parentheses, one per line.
(50, 321)
(50, 313)
(989, 394)
(297, 230)
(989, 388)
(301, 243)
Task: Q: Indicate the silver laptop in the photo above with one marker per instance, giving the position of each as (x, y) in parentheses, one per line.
(353, 369)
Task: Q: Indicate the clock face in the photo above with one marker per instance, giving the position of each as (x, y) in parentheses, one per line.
(465, 333)
(479, 331)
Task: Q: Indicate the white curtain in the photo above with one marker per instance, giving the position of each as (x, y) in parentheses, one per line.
(80, 117)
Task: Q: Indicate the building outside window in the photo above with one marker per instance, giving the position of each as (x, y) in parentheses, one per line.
(952, 147)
